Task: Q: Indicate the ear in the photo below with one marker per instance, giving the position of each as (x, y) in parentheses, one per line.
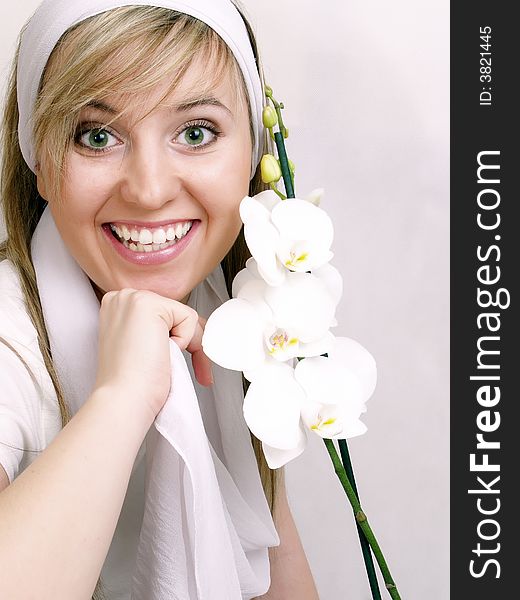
(41, 183)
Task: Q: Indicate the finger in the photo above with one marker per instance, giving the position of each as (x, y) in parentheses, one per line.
(184, 329)
(201, 363)
(202, 368)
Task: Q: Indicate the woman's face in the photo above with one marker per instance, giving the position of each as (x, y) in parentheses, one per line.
(175, 176)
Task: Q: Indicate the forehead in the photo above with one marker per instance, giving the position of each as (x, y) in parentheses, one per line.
(142, 88)
(203, 81)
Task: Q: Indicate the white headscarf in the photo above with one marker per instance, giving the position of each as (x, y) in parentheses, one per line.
(53, 17)
(206, 526)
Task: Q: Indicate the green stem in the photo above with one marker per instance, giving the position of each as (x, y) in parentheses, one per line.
(279, 136)
(278, 108)
(272, 185)
(284, 165)
(365, 546)
(361, 518)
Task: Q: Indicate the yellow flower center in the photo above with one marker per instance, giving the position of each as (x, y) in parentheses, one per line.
(280, 341)
(296, 259)
(321, 424)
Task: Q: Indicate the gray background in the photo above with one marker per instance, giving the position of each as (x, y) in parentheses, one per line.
(366, 89)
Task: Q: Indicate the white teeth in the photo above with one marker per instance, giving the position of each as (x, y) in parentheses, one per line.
(178, 230)
(147, 241)
(159, 237)
(149, 247)
(145, 236)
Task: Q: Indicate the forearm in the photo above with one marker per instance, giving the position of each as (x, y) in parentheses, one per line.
(57, 519)
(291, 576)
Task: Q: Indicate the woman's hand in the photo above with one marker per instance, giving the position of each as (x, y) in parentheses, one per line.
(134, 331)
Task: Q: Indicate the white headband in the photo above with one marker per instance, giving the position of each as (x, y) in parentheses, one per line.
(54, 17)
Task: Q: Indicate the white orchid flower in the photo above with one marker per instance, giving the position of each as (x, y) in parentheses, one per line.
(286, 235)
(264, 323)
(337, 388)
(324, 395)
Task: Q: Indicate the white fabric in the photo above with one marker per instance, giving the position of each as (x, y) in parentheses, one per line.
(54, 17)
(206, 525)
(29, 413)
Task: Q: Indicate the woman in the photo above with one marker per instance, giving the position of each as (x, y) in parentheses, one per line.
(137, 138)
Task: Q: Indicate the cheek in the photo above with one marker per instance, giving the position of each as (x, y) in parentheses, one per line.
(85, 190)
(226, 181)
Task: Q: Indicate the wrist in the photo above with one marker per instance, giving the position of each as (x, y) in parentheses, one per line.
(124, 406)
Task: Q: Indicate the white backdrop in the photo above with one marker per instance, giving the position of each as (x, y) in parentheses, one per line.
(366, 89)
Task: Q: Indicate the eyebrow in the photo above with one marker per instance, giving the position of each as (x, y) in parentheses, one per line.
(189, 104)
(184, 106)
(101, 106)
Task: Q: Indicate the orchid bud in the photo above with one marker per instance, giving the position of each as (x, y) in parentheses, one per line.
(292, 168)
(270, 169)
(269, 117)
(315, 196)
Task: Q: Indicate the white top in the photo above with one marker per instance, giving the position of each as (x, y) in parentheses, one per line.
(30, 419)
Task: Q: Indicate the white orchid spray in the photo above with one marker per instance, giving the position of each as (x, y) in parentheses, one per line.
(276, 329)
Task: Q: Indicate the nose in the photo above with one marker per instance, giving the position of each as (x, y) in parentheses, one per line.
(151, 177)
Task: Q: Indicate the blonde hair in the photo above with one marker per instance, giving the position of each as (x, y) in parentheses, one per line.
(88, 63)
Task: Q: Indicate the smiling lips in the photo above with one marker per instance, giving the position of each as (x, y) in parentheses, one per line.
(150, 253)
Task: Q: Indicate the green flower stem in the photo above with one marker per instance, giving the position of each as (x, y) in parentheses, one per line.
(272, 185)
(365, 546)
(284, 165)
(288, 180)
(361, 518)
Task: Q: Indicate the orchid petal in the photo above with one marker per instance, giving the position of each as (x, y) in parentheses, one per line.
(297, 219)
(253, 292)
(317, 347)
(268, 199)
(262, 239)
(272, 407)
(252, 267)
(233, 336)
(326, 381)
(355, 428)
(349, 354)
(331, 279)
(251, 210)
(261, 370)
(242, 277)
(302, 306)
(276, 457)
(332, 421)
